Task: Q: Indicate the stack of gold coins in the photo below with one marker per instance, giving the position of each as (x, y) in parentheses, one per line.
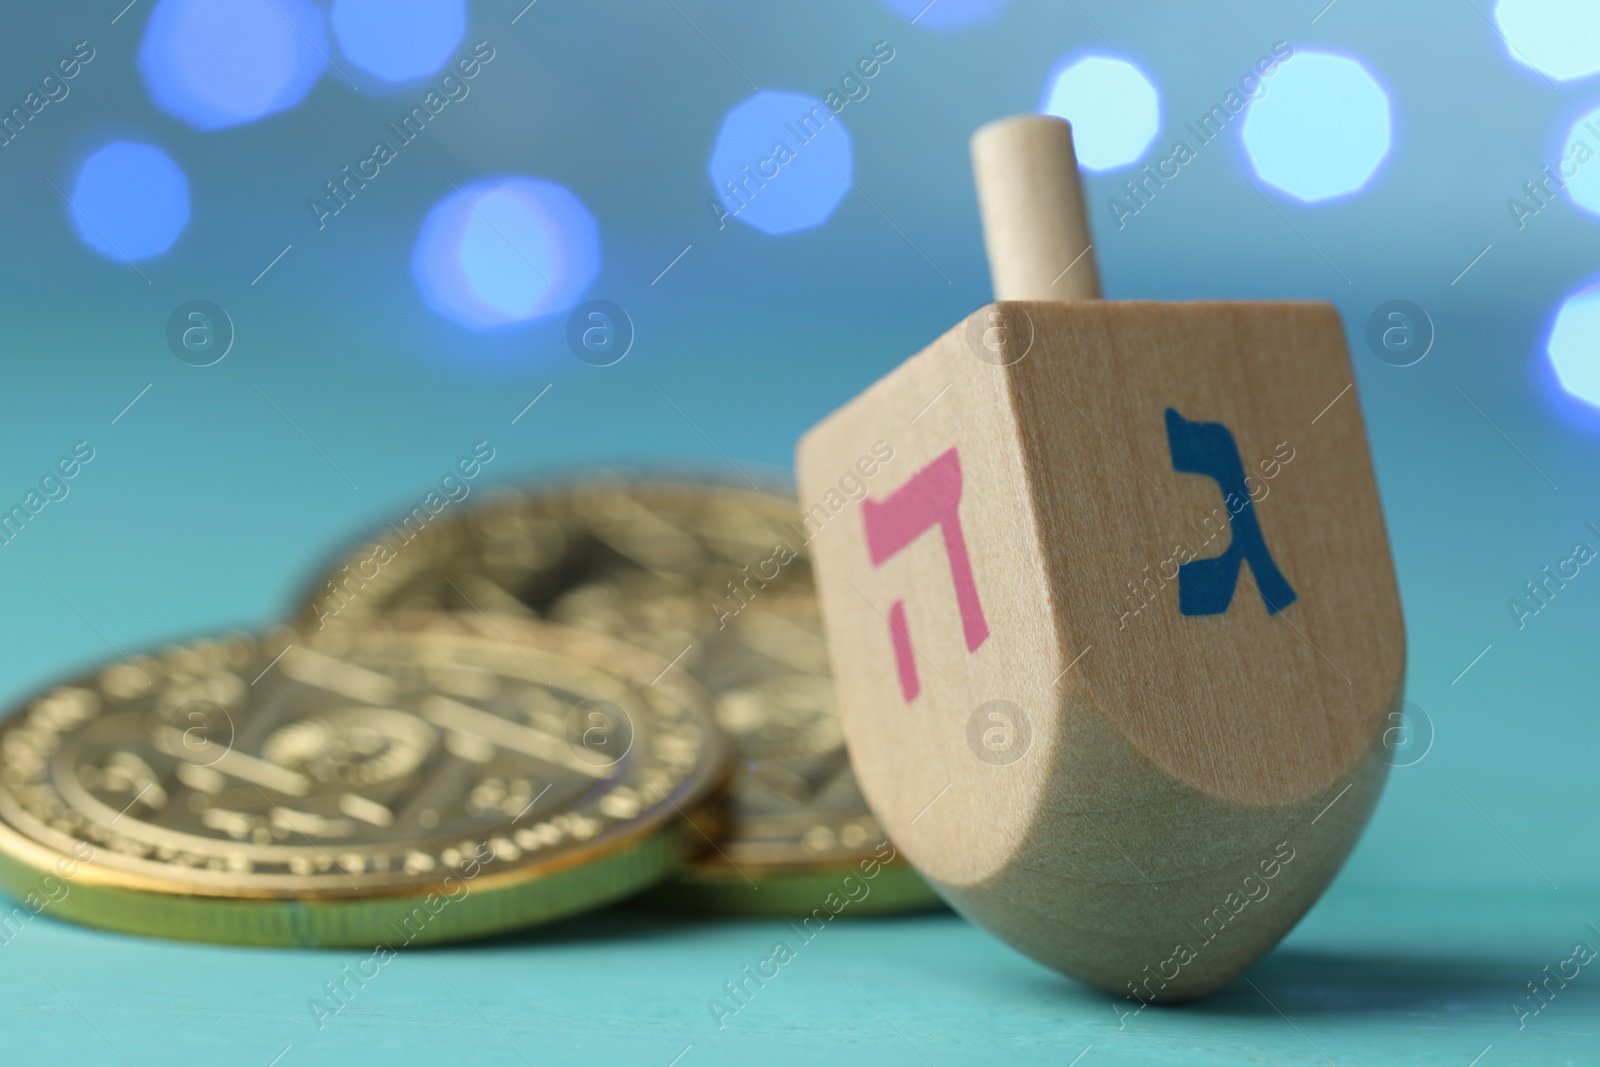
(711, 578)
(480, 721)
(420, 778)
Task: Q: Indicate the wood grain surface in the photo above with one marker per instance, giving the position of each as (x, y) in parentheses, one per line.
(1035, 228)
(1142, 798)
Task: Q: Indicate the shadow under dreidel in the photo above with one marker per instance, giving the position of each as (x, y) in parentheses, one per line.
(1303, 982)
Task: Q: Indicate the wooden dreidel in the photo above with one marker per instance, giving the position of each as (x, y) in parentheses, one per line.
(1115, 632)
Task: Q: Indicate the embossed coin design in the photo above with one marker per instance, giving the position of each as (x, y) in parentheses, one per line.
(411, 781)
(599, 732)
(198, 732)
(710, 577)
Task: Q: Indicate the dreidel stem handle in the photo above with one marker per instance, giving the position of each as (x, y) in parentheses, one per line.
(1034, 226)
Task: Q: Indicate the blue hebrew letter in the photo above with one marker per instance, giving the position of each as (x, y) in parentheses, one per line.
(1205, 586)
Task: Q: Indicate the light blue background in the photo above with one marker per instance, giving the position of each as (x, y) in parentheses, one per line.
(204, 508)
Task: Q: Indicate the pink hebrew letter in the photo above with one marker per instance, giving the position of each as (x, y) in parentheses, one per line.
(931, 498)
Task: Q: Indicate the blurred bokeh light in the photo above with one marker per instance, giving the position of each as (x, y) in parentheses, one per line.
(1114, 110)
(1322, 128)
(1578, 166)
(782, 162)
(1574, 346)
(948, 16)
(505, 251)
(129, 201)
(398, 41)
(220, 63)
(1559, 38)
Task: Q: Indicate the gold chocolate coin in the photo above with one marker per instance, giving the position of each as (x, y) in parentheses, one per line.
(713, 578)
(422, 778)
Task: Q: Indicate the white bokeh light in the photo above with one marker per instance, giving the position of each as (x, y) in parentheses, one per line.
(782, 162)
(1114, 110)
(1558, 38)
(1578, 165)
(1322, 131)
(398, 41)
(216, 65)
(504, 251)
(1574, 345)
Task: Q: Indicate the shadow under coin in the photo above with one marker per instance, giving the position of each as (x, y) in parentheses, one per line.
(609, 924)
(640, 921)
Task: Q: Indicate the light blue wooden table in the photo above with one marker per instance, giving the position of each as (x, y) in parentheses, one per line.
(205, 508)
(1372, 977)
